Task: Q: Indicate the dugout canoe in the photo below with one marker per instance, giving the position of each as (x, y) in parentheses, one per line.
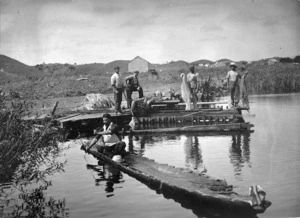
(204, 195)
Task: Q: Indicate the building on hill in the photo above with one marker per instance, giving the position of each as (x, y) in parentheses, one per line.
(272, 61)
(138, 64)
(219, 64)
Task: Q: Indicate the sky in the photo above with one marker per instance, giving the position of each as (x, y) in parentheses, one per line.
(101, 31)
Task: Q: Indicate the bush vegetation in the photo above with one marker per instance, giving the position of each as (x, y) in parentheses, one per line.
(28, 154)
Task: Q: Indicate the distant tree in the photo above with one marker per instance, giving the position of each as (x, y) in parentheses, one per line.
(297, 59)
(286, 60)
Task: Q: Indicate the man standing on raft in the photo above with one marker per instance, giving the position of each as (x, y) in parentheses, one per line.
(231, 81)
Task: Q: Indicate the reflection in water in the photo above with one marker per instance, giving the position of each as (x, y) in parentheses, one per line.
(195, 145)
(193, 152)
(24, 194)
(132, 139)
(239, 152)
(106, 174)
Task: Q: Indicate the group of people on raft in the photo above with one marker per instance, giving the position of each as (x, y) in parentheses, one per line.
(111, 140)
(234, 81)
(189, 86)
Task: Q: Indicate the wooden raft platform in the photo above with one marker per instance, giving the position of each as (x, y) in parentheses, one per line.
(206, 196)
(167, 116)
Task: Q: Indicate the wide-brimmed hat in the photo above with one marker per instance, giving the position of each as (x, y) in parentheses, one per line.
(191, 67)
(232, 64)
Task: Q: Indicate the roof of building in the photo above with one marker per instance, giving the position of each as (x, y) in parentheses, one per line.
(138, 57)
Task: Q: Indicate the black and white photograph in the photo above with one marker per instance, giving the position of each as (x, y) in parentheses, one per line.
(149, 108)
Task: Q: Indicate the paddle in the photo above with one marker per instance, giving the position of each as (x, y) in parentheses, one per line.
(93, 142)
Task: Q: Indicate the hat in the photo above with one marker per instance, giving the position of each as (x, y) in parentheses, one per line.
(108, 116)
(117, 68)
(191, 67)
(232, 64)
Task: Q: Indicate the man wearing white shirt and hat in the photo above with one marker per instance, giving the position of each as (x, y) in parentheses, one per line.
(231, 81)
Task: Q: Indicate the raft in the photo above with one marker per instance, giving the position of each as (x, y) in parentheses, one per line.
(156, 115)
(204, 195)
(170, 116)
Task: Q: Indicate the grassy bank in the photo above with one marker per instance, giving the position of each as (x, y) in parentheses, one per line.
(262, 79)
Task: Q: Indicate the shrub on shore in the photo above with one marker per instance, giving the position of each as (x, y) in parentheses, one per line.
(28, 153)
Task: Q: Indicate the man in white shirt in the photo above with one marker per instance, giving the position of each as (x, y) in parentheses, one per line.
(231, 81)
(112, 143)
(118, 86)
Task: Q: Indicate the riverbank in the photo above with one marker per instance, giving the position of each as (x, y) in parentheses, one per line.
(261, 79)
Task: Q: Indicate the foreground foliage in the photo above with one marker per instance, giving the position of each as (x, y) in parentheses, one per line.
(28, 154)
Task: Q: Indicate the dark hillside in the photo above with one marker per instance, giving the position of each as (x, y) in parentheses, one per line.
(123, 64)
(13, 66)
(13, 70)
(86, 69)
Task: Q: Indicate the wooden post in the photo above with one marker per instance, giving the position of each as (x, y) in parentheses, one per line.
(54, 108)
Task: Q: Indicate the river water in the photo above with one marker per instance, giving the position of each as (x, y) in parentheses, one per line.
(270, 157)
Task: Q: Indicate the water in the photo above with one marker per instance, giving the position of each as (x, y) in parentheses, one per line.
(268, 157)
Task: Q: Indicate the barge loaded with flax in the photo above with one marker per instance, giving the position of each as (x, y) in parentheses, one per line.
(149, 115)
(204, 195)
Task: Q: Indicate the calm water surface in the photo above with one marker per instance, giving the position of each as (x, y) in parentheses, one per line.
(269, 157)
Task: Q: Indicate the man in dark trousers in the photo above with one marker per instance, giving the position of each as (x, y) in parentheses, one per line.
(111, 140)
(231, 77)
(118, 85)
(133, 84)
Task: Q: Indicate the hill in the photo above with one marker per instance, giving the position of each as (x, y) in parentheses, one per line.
(202, 61)
(13, 70)
(123, 64)
(224, 60)
(172, 66)
(89, 68)
(83, 69)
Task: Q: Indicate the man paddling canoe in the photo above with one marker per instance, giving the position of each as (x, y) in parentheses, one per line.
(111, 140)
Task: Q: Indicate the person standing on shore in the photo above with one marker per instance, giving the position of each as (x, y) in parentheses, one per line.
(231, 77)
(192, 80)
(118, 86)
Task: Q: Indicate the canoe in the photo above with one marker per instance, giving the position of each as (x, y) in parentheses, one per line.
(204, 195)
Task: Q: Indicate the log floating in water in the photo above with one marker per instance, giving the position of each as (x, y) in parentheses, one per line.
(203, 194)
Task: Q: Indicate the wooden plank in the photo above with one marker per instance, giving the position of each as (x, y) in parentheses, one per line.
(90, 116)
(208, 103)
(197, 128)
(158, 105)
(168, 102)
(66, 117)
